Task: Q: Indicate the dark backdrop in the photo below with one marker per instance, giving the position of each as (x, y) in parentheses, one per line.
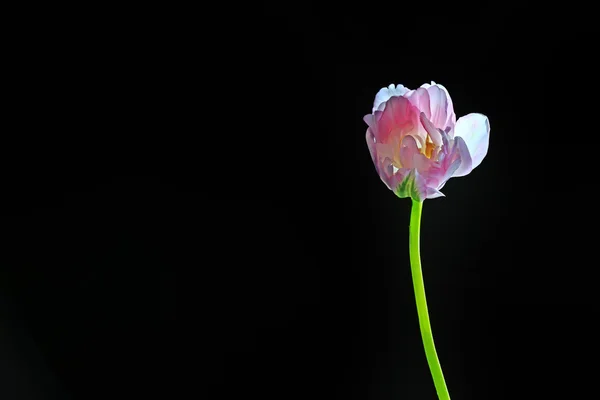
(189, 207)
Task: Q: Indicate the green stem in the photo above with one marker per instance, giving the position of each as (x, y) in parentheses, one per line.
(417, 276)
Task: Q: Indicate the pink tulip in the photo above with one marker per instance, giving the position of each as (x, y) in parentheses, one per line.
(417, 144)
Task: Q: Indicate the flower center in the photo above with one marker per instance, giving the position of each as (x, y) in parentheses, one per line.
(429, 148)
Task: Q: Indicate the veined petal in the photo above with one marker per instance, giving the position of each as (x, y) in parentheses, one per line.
(413, 186)
(393, 179)
(475, 130)
(386, 93)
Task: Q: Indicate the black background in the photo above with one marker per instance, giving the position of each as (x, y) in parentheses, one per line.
(189, 207)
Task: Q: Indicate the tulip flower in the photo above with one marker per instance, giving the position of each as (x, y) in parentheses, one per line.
(416, 142)
(417, 145)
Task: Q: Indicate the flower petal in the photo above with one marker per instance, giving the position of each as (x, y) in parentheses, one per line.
(403, 121)
(450, 171)
(413, 186)
(370, 120)
(398, 118)
(475, 130)
(408, 150)
(420, 99)
(466, 164)
(372, 147)
(433, 193)
(434, 133)
(438, 103)
(386, 93)
(450, 119)
(394, 178)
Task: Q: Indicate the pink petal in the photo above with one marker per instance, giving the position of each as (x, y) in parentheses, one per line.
(450, 115)
(408, 150)
(420, 99)
(371, 146)
(386, 93)
(435, 102)
(434, 133)
(386, 173)
(434, 193)
(438, 104)
(466, 164)
(394, 179)
(398, 117)
(423, 164)
(451, 169)
(369, 120)
(475, 130)
(384, 150)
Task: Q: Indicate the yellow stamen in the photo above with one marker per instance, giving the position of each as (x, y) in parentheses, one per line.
(429, 148)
